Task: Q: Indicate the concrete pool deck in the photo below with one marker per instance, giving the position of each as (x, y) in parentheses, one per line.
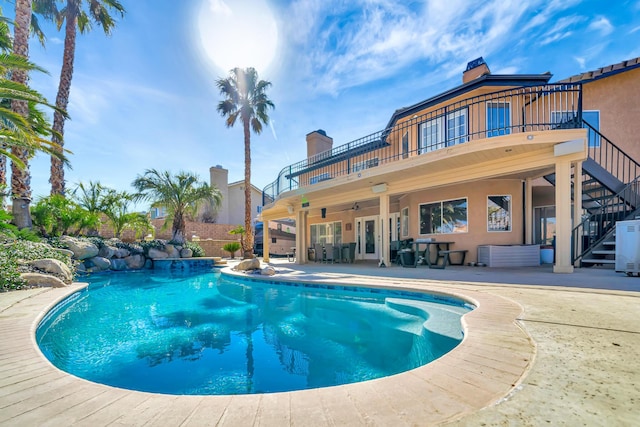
(541, 348)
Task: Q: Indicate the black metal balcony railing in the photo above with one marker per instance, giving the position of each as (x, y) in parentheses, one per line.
(524, 109)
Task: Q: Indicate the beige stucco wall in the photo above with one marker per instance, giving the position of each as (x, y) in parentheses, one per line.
(618, 99)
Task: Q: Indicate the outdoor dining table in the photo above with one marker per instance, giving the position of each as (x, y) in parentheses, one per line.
(429, 248)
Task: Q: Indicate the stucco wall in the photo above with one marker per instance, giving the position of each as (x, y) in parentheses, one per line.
(617, 98)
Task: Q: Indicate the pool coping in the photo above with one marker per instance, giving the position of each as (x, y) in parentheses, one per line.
(484, 369)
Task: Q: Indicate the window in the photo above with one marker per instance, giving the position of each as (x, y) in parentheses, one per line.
(449, 216)
(328, 232)
(591, 117)
(446, 130)
(405, 145)
(318, 178)
(259, 209)
(499, 213)
(431, 135)
(404, 222)
(457, 127)
(274, 240)
(498, 118)
(371, 163)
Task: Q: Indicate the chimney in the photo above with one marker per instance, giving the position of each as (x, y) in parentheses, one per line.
(318, 142)
(475, 69)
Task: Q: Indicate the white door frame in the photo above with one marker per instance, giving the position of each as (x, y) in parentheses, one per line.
(361, 253)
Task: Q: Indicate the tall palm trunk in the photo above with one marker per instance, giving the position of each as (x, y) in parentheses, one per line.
(62, 100)
(21, 178)
(248, 241)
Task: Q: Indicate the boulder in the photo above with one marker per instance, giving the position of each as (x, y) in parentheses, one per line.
(268, 271)
(106, 252)
(157, 254)
(99, 263)
(39, 279)
(148, 264)
(186, 253)
(172, 251)
(118, 264)
(54, 266)
(121, 253)
(81, 249)
(135, 262)
(248, 264)
(64, 251)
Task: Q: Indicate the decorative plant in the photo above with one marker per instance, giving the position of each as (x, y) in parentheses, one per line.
(232, 248)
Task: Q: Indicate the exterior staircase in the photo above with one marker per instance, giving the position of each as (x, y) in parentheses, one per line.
(610, 193)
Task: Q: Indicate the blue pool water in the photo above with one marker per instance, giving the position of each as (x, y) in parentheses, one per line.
(199, 333)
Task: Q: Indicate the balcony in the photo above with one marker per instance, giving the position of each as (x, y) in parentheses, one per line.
(475, 119)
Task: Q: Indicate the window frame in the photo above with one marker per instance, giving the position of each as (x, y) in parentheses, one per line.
(336, 237)
(441, 204)
(509, 214)
(505, 129)
(404, 222)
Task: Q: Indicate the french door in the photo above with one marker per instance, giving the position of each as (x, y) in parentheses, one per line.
(368, 237)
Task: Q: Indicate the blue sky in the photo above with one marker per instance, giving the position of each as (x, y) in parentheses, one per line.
(145, 97)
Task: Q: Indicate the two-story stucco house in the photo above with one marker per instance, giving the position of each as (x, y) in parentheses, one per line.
(499, 161)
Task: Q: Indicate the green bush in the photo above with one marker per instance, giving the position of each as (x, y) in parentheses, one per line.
(197, 250)
(232, 248)
(22, 250)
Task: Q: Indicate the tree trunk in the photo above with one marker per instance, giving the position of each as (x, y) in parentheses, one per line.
(178, 228)
(62, 99)
(21, 178)
(248, 240)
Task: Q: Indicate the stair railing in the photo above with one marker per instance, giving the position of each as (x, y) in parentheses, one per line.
(611, 157)
(594, 228)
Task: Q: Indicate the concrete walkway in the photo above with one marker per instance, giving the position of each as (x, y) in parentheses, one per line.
(534, 354)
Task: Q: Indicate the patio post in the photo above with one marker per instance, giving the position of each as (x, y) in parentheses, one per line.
(563, 217)
(384, 232)
(265, 240)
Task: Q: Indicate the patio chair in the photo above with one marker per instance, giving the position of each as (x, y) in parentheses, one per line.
(319, 252)
(330, 252)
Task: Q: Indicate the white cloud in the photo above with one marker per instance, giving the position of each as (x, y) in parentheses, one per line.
(581, 61)
(601, 25)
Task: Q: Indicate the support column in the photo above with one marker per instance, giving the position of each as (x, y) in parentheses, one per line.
(384, 232)
(266, 240)
(577, 204)
(563, 217)
(528, 211)
(301, 237)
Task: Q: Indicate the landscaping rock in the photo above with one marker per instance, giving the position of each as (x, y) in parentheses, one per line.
(157, 254)
(172, 251)
(54, 266)
(100, 263)
(64, 251)
(107, 252)
(46, 280)
(121, 253)
(118, 264)
(81, 248)
(268, 271)
(186, 253)
(135, 262)
(248, 264)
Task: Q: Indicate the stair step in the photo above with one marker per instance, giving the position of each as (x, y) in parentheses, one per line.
(609, 243)
(603, 252)
(598, 261)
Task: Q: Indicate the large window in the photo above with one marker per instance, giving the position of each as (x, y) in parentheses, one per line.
(498, 118)
(448, 216)
(446, 130)
(499, 213)
(328, 232)
(404, 222)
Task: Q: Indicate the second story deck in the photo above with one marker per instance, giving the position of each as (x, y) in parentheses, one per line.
(473, 119)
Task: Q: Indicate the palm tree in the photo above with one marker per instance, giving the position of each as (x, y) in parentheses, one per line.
(20, 176)
(177, 193)
(245, 98)
(115, 206)
(75, 18)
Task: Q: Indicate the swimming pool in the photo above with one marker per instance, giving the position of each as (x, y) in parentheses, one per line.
(200, 333)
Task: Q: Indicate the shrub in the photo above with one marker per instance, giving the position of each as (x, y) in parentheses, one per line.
(12, 257)
(197, 250)
(232, 248)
